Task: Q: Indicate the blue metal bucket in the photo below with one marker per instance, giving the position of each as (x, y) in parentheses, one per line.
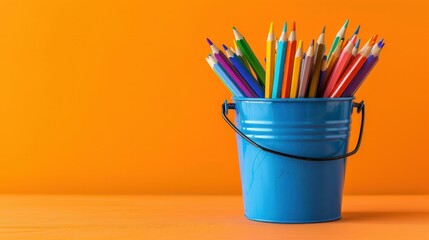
(292, 155)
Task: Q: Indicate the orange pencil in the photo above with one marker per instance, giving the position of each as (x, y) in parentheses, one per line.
(352, 70)
(290, 57)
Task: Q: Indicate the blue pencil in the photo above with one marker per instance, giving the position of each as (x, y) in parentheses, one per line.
(280, 64)
(226, 79)
(244, 71)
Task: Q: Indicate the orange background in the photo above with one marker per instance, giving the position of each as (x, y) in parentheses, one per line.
(116, 97)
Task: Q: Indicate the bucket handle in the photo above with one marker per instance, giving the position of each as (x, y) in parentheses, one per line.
(359, 106)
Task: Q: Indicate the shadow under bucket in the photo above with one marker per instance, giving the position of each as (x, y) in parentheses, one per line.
(292, 155)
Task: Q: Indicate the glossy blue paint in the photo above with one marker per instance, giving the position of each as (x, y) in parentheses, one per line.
(285, 190)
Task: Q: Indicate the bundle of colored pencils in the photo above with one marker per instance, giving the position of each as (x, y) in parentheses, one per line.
(291, 73)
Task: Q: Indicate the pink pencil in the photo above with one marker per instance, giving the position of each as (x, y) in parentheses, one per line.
(341, 65)
(352, 70)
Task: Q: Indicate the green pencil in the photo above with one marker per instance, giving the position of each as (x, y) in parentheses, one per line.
(338, 37)
(250, 56)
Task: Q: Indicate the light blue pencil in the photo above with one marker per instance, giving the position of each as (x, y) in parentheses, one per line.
(226, 79)
(280, 64)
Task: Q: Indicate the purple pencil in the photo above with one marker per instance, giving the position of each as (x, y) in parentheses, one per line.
(322, 84)
(231, 71)
(364, 71)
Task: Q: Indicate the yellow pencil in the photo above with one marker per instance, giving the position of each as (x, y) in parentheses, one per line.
(270, 60)
(296, 71)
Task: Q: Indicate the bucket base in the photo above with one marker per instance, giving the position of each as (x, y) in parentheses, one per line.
(292, 222)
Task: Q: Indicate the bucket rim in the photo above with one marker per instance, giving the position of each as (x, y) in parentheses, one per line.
(292, 99)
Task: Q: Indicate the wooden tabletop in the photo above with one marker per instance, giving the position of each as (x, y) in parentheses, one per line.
(200, 217)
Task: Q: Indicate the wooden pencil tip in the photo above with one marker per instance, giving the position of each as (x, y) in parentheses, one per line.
(324, 28)
(312, 43)
(353, 39)
(284, 27)
(357, 43)
(271, 27)
(293, 26)
(209, 42)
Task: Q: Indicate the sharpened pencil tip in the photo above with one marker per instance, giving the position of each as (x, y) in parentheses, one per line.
(380, 43)
(271, 27)
(293, 26)
(284, 27)
(324, 28)
(224, 47)
(381, 46)
(357, 30)
(346, 23)
(233, 27)
(373, 40)
(300, 44)
(357, 43)
(312, 43)
(209, 42)
(353, 40)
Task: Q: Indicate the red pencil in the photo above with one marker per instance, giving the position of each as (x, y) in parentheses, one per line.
(290, 58)
(352, 70)
(339, 68)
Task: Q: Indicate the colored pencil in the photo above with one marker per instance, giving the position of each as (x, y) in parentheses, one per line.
(247, 75)
(306, 72)
(331, 64)
(232, 72)
(340, 66)
(356, 32)
(296, 71)
(354, 35)
(290, 55)
(280, 64)
(240, 55)
(338, 37)
(364, 71)
(322, 83)
(302, 68)
(355, 50)
(250, 56)
(320, 40)
(314, 82)
(270, 56)
(368, 43)
(351, 71)
(224, 77)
